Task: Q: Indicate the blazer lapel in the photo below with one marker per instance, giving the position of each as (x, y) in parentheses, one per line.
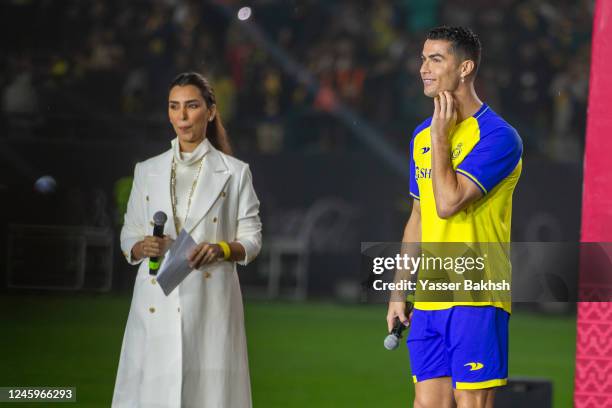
(160, 191)
(215, 175)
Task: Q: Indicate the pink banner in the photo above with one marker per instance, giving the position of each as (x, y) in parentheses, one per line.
(593, 381)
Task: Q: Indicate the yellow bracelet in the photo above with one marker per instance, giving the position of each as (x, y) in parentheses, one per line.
(227, 252)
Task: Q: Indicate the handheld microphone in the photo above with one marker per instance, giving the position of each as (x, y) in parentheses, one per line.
(159, 220)
(392, 340)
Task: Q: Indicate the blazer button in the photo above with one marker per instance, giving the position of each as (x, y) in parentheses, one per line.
(152, 309)
(223, 194)
(215, 219)
(153, 281)
(147, 198)
(178, 309)
(207, 275)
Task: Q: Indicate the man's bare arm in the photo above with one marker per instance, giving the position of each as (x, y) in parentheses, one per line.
(410, 247)
(452, 192)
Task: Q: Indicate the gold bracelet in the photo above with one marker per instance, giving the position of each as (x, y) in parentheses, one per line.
(227, 252)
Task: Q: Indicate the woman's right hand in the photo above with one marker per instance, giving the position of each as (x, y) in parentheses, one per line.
(151, 246)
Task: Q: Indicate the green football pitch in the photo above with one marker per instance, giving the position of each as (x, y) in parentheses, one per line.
(301, 354)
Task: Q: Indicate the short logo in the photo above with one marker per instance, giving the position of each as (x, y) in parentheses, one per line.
(424, 149)
(457, 151)
(474, 366)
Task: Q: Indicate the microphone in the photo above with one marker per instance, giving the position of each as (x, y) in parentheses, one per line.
(392, 340)
(159, 219)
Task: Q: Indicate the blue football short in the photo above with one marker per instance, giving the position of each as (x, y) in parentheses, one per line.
(467, 343)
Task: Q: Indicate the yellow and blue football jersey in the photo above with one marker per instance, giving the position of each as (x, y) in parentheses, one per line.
(487, 150)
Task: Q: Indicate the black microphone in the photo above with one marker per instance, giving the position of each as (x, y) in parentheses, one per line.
(159, 219)
(392, 340)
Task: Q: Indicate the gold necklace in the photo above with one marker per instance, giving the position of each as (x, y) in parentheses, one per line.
(173, 192)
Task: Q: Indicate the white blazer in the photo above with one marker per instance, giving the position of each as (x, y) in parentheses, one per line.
(188, 349)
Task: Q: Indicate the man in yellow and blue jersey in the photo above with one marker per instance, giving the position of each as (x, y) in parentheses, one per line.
(465, 163)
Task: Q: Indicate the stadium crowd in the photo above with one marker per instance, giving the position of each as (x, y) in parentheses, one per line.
(100, 59)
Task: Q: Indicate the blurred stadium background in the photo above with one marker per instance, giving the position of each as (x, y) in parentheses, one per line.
(321, 99)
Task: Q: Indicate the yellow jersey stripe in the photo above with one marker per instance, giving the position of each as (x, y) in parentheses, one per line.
(420, 305)
(468, 175)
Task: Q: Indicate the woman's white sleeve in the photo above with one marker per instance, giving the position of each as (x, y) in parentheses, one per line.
(249, 225)
(134, 224)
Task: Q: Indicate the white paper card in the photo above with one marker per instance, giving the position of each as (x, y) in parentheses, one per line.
(176, 268)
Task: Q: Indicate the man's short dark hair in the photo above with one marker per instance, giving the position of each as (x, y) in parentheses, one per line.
(464, 42)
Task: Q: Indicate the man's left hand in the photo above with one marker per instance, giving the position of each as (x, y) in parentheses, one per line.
(444, 116)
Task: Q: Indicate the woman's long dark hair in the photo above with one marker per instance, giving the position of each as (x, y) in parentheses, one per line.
(215, 133)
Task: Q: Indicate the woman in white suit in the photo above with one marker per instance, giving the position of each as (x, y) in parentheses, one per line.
(188, 349)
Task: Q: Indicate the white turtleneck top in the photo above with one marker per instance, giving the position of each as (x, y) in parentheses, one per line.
(187, 166)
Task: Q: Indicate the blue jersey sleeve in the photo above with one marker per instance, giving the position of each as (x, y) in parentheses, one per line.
(414, 187)
(493, 158)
